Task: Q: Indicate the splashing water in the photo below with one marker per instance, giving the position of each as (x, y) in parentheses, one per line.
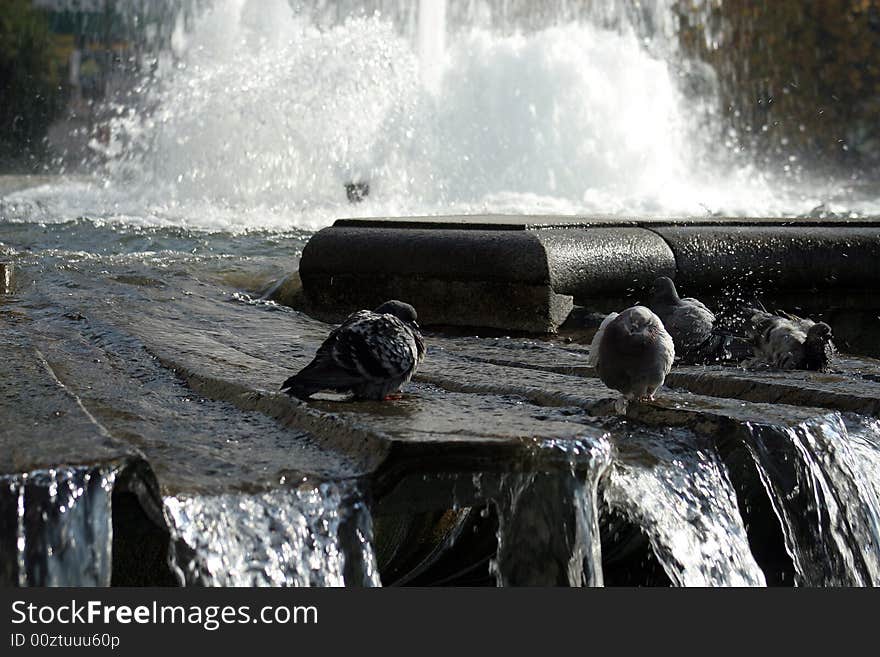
(61, 523)
(310, 536)
(679, 493)
(263, 114)
(864, 441)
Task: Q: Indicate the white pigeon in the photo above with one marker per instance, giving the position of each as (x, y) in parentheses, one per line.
(633, 353)
(789, 342)
(371, 355)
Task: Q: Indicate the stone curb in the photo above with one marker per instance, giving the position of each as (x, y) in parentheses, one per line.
(524, 273)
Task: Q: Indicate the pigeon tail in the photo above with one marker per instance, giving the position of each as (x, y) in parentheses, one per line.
(719, 347)
(320, 374)
(299, 389)
(593, 358)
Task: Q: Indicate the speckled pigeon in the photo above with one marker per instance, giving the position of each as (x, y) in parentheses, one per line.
(632, 353)
(789, 342)
(371, 354)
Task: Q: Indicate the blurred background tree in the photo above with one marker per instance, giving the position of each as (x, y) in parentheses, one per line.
(795, 77)
(30, 91)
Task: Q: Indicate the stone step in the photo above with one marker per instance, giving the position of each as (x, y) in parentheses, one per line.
(853, 384)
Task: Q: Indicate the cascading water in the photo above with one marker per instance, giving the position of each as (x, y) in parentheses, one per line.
(548, 522)
(308, 536)
(823, 491)
(61, 523)
(864, 442)
(677, 490)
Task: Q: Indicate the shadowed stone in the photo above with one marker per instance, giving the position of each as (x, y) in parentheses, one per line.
(523, 273)
(776, 257)
(447, 275)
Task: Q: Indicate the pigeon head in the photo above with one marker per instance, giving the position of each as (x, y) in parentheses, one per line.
(819, 331)
(402, 311)
(818, 348)
(640, 321)
(664, 290)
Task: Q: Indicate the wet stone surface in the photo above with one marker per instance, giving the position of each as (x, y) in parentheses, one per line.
(113, 361)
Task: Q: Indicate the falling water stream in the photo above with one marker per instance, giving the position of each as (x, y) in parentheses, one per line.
(677, 489)
(825, 498)
(548, 523)
(61, 523)
(311, 536)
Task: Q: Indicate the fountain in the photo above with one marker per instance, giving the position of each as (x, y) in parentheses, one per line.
(506, 166)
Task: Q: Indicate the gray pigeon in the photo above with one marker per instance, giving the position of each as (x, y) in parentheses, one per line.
(632, 353)
(371, 354)
(690, 323)
(789, 342)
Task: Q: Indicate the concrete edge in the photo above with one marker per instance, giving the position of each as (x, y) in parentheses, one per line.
(518, 274)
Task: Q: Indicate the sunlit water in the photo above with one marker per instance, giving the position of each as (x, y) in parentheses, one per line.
(822, 485)
(561, 506)
(303, 537)
(62, 527)
(260, 115)
(221, 166)
(677, 489)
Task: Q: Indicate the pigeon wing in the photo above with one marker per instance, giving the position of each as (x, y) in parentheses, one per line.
(690, 301)
(778, 341)
(378, 348)
(690, 323)
(328, 370)
(593, 359)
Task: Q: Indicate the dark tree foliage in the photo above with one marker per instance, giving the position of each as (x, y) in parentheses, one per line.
(29, 87)
(795, 75)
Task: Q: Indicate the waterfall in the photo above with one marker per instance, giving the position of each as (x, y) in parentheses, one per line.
(308, 536)
(56, 527)
(548, 524)
(823, 491)
(677, 490)
(864, 441)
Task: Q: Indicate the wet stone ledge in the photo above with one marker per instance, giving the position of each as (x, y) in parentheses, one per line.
(524, 273)
(59, 469)
(498, 442)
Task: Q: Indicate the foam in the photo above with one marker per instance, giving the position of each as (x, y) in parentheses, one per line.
(263, 117)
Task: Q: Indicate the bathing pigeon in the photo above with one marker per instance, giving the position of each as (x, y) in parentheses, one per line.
(371, 354)
(632, 353)
(789, 342)
(690, 323)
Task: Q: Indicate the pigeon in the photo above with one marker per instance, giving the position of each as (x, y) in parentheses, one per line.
(371, 354)
(690, 323)
(632, 353)
(789, 342)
